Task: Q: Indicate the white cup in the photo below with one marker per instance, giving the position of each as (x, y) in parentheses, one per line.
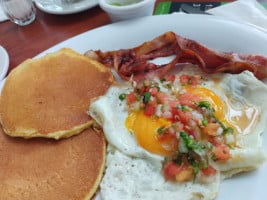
(127, 9)
(65, 2)
(21, 12)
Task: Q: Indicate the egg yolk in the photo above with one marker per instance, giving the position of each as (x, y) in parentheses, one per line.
(216, 103)
(145, 130)
(145, 127)
(211, 97)
(242, 121)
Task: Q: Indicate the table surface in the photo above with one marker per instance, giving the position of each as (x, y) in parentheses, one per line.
(24, 42)
(47, 30)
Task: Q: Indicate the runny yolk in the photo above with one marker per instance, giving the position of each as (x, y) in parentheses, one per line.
(242, 120)
(216, 103)
(212, 98)
(145, 130)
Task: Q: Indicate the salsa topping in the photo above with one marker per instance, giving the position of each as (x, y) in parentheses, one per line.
(197, 130)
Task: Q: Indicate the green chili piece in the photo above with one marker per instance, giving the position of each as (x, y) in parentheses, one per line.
(190, 143)
(204, 104)
(205, 121)
(155, 86)
(169, 85)
(146, 97)
(183, 107)
(160, 130)
(228, 130)
(190, 80)
(122, 96)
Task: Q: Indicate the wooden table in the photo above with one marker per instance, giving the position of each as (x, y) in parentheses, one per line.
(47, 30)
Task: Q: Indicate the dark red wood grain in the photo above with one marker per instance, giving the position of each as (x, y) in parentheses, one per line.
(24, 42)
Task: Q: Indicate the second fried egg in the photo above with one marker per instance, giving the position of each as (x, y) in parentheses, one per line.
(135, 129)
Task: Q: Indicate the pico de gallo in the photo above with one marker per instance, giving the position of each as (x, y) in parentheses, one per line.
(199, 134)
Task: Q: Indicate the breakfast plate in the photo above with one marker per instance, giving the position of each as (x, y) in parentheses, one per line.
(49, 6)
(214, 32)
(4, 62)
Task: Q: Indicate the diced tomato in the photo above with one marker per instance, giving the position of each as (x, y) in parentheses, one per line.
(170, 78)
(171, 169)
(211, 129)
(212, 140)
(141, 90)
(165, 99)
(179, 127)
(188, 80)
(208, 171)
(184, 79)
(185, 174)
(194, 80)
(153, 91)
(169, 142)
(162, 97)
(153, 102)
(192, 133)
(184, 117)
(221, 152)
(189, 99)
(150, 110)
(180, 116)
(131, 98)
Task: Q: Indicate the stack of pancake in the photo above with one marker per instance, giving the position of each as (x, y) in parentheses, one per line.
(48, 148)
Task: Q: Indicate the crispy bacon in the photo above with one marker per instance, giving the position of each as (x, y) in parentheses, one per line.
(136, 61)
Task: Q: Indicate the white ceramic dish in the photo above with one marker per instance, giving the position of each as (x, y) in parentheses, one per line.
(49, 7)
(4, 62)
(127, 9)
(212, 31)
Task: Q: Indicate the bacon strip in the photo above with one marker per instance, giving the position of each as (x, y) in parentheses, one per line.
(135, 62)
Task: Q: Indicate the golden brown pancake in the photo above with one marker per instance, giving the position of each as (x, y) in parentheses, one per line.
(47, 169)
(49, 96)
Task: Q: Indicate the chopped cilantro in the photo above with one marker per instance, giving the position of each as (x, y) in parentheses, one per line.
(146, 97)
(190, 143)
(162, 80)
(183, 107)
(228, 130)
(204, 104)
(204, 121)
(122, 96)
(160, 130)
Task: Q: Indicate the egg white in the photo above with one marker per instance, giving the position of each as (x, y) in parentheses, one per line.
(134, 173)
(244, 89)
(241, 90)
(111, 114)
(130, 178)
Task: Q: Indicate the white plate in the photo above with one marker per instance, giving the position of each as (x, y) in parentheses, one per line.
(212, 31)
(52, 8)
(4, 62)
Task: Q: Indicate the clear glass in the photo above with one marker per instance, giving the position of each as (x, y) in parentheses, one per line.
(21, 12)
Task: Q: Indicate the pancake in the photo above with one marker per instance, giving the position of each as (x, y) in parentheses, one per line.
(49, 96)
(47, 169)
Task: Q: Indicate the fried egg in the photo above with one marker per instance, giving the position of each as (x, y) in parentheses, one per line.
(129, 178)
(135, 155)
(111, 114)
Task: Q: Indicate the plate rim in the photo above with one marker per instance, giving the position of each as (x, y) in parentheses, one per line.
(68, 42)
(85, 4)
(166, 16)
(5, 62)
